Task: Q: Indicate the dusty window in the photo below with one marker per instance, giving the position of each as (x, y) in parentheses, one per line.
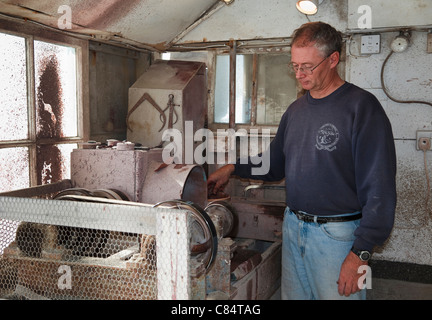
(13, 88)
(243, 88)
(14, 164)
(275, 88)
(38, 111)
(55, 84)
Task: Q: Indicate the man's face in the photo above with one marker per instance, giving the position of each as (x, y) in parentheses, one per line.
(309, 57)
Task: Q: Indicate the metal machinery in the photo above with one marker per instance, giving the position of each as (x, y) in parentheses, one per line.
(128, 226)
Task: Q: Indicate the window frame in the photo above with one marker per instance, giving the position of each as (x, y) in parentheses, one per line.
(30, 32)
(233, 50)
(214, 126)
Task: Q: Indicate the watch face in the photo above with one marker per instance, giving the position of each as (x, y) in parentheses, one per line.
(364, 255)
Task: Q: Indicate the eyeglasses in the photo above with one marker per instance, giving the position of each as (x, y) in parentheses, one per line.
(306, 70)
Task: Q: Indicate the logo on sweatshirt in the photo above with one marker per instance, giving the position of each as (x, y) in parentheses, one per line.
(327, 137)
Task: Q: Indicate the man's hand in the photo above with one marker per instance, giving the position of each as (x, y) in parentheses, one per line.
(349, 276)
(218, 180)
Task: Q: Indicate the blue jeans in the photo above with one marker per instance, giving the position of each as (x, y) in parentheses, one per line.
(312, 255)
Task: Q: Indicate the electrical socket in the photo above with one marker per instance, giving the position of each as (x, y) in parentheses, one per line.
(424, 140)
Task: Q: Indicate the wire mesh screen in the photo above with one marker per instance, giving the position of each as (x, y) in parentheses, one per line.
(52, 249)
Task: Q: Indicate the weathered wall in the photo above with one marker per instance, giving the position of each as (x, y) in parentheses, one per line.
(407, 77)
(112, 71)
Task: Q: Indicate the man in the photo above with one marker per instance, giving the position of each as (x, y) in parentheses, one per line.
(335, 149)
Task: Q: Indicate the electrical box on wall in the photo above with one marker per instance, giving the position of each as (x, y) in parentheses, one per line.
(370, 44)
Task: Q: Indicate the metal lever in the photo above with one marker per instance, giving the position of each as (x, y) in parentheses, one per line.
(261, 186)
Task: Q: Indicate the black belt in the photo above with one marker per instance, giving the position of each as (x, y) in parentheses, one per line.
(310, 218)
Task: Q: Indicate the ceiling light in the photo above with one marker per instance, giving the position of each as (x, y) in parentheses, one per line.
(227, 1)
(308, 6)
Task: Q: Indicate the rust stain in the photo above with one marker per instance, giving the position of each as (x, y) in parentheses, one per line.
(161, 46)
(49, 102)
(162, 166)
(426, 83)
(49, 117)
(102, 14)
(272, 210)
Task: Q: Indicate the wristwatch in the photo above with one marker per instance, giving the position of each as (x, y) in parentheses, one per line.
(364, 255)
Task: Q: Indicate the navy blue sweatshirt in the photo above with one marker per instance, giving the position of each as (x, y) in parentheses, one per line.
(337, 156)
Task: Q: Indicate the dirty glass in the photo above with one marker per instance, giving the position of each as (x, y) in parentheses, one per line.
(14, 169)
(276, 88)
(55, 110)
(55, 88)
(53, 162)
(221, 109)
(243, 88)
(13, 88)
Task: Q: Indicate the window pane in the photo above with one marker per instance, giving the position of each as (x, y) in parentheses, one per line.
(244, 70)
(13, 88)
(14, 169)
(276, 88)
(53, 162)
(56, 98)
(221, 110)
(243, 89)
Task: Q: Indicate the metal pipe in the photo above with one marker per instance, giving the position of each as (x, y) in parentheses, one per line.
(207, 14)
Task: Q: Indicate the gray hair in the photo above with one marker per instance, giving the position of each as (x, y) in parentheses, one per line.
(322, 35)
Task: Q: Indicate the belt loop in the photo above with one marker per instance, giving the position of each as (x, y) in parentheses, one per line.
(315, 219)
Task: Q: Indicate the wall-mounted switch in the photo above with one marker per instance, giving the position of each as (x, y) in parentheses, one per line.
(370, 44)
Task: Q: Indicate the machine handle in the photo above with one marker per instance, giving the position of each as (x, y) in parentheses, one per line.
(261, 186)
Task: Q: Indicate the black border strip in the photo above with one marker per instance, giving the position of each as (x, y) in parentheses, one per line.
(401, 271)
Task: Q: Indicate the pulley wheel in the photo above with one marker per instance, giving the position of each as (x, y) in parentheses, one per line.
(204, 221)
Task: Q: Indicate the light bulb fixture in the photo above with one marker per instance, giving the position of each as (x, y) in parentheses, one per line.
(227, 2)
(308, 6)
